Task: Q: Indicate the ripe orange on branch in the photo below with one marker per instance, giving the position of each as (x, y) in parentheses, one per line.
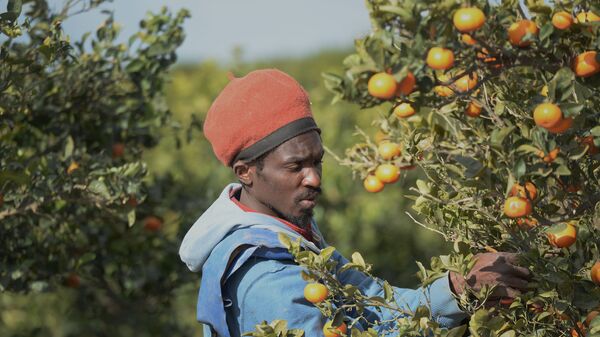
(466, 82)
(548, 158)
(72, 167)
(563, 235)
(382, 85)
(562, 20)
(468, 19)
(562, 126)
(407, 85)
(330, 331)
(589, 141)
(315, 292)
(373, 184)
(388, 150)
(439, 58)
(515, 207)
(529, 191)
(547, 115)
(387, 173)
(595, 273)
(118, 150)
(404, 110)
(586, 64)
(518, 30)
(473, 110)
(468, 39)
(152, 223)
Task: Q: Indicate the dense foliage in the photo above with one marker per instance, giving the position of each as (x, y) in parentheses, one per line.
(75, 118)
(497, 105)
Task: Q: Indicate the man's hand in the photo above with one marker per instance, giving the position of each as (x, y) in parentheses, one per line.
(493, 269)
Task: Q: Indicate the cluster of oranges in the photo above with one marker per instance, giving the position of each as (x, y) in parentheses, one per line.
(519, 206)
(316, 293)
(386, 173)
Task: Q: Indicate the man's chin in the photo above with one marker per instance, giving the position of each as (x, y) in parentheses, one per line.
(302, 220)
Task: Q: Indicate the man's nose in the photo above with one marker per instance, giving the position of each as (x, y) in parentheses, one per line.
(312, 177)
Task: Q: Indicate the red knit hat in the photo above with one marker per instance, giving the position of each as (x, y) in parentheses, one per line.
(255, 114)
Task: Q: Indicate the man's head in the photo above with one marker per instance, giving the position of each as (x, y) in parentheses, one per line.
(261, 125)
(286, 181)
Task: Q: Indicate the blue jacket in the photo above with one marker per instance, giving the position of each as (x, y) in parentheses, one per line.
(249, 277)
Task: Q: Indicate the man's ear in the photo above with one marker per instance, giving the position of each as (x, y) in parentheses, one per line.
(244, 172)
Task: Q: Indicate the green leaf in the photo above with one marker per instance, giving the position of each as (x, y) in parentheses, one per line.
(99, 187)
(498, 135)
(131, 217)
(358, 259)
(69, 146)
(14, 6)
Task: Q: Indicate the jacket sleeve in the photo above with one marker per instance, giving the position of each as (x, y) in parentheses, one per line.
(438, 296)
(266, 290)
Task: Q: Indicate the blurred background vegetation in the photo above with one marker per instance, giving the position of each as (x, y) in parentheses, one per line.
(184, 178)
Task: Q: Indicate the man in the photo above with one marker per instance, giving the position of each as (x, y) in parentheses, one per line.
(261, 126)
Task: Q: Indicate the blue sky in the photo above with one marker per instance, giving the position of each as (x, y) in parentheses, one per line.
(262, 28)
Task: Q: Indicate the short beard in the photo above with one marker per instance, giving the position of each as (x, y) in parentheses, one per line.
(303, 221)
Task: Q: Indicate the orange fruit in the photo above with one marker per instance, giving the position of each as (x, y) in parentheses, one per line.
(562, 126)
(581, 327)
(484, 56)
(387, 173)
(468, 39)
(315, 292)
(330, 331)
(118, 149)
(73, 281)
(518, 30)
(548, 158)
(382, 85)
(562, 20)
(584, 17)
(590, 317)
(443, 91)
(595, 273)
(527, 223)
(388, 150)
(547, 115)
(152, 223)
(468, 19)
(515, 207)
(565, 237)
(373, 184)
(473, 110)
(404, 110)
(72, 167)
(407, 85)
(466, 82)
(586, 64)
(589, 141)
(506, 301)
(439, 58)
(529, 191)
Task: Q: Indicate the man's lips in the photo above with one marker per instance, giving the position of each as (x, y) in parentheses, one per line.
(308, 203)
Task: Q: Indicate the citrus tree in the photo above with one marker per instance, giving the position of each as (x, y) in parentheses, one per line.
(75, 208)
(496, 103)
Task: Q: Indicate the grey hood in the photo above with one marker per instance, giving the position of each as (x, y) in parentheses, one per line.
(222, 218)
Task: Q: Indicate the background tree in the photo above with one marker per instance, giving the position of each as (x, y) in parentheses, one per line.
(75, 118)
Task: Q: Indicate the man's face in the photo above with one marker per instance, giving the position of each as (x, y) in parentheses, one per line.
(290, 180)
